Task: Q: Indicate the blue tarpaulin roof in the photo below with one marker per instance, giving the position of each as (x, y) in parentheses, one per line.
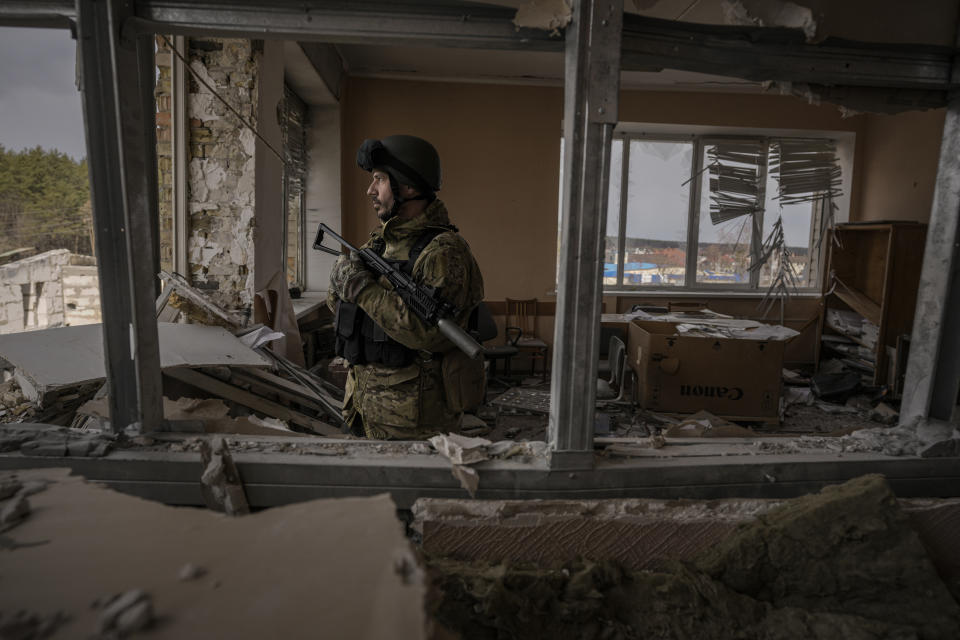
(610, 269)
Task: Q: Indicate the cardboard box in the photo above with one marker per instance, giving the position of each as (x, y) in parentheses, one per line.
(735, 378)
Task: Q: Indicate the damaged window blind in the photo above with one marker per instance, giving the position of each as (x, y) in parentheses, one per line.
(292, 116)
(806, 169)
(736, 168)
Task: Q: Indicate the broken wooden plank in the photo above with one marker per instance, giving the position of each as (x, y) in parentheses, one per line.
(276, 394)
(291, 390)
(194, 304)
(165, 311)
(234, 394)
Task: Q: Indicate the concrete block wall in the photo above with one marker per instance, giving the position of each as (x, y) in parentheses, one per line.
(81, 295)
(221, 173)
(31, 292)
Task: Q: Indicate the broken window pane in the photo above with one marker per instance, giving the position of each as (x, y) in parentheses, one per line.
(723, 249)
(796, 231)
(293, 123)
(657, 212)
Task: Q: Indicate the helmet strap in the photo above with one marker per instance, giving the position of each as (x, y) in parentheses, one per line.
(399, 201)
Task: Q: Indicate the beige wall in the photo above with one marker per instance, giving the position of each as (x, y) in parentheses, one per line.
(500, 152)
(900, 165)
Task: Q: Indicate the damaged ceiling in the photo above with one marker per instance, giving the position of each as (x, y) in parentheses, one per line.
(511, 67)
(929, 23)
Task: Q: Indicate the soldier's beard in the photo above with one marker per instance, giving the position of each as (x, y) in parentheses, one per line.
(383, 213)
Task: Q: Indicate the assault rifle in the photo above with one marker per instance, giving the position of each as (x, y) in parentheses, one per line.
(422, 300)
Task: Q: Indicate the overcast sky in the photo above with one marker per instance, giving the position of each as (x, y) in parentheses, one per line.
(39, 101)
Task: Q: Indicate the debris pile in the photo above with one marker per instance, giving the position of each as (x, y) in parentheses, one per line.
(51, 441)
(784, 575)
(220, 375)
(464, 451)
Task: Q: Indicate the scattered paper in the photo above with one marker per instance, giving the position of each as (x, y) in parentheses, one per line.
(704, 424)
(260, 337)
(797, 395)
(461, 449)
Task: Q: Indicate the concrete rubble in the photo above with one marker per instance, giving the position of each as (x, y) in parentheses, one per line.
(25, 625)
(220, 483)
(207, 360)
(464, 451)
(125, 613)
(191, 571)
(772, 570)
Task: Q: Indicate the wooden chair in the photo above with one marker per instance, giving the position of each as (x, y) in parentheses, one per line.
(521, 332)
(486, 329)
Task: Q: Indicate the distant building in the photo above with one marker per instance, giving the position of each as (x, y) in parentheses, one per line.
(53, 289)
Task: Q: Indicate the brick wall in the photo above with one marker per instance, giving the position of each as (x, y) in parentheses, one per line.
(164, 153)
(221, 169)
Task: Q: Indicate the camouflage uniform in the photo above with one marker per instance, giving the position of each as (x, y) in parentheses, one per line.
(409, 402)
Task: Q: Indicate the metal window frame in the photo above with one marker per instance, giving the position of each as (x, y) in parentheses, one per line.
(179, 126)
(690, 286)
(285, 194)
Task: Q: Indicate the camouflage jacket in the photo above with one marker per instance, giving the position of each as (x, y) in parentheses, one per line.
(409, 402)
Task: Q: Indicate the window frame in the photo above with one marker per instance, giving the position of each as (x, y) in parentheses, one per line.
(701, 137)
(284, 109)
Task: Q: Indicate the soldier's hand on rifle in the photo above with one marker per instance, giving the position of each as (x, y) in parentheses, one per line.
(349, 277)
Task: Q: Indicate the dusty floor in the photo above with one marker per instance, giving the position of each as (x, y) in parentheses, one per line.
(625, 421)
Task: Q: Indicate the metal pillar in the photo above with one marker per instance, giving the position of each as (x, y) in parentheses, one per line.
(591, 96)
(179, 126)
(117, 84)
(933, 370)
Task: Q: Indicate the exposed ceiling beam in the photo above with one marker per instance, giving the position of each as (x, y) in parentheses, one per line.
(757, 54)
(431, 22)
(761, 54)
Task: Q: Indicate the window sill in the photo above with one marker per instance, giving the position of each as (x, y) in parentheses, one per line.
(686, 293)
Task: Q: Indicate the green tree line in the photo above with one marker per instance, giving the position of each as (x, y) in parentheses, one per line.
(44, 201)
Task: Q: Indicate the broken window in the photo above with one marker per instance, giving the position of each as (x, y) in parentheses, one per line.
(691, 211)
(293, 123)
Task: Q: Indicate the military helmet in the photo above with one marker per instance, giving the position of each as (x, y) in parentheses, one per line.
(408, 159)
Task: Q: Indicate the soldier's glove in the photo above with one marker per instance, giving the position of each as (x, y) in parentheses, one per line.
(349, 277)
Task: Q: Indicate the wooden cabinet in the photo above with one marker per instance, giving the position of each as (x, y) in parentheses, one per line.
(870, 294)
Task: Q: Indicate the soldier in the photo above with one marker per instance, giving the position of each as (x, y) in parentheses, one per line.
(406, 380)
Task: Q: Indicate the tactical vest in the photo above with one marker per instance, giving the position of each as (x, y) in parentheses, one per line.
(360, 340)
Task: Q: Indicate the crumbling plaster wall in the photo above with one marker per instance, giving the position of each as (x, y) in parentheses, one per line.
(221, 173)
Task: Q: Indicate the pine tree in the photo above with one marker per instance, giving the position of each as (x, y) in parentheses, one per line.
(42, 198)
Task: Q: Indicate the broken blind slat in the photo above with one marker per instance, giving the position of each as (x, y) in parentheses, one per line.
(735, 178)
(806, 169)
